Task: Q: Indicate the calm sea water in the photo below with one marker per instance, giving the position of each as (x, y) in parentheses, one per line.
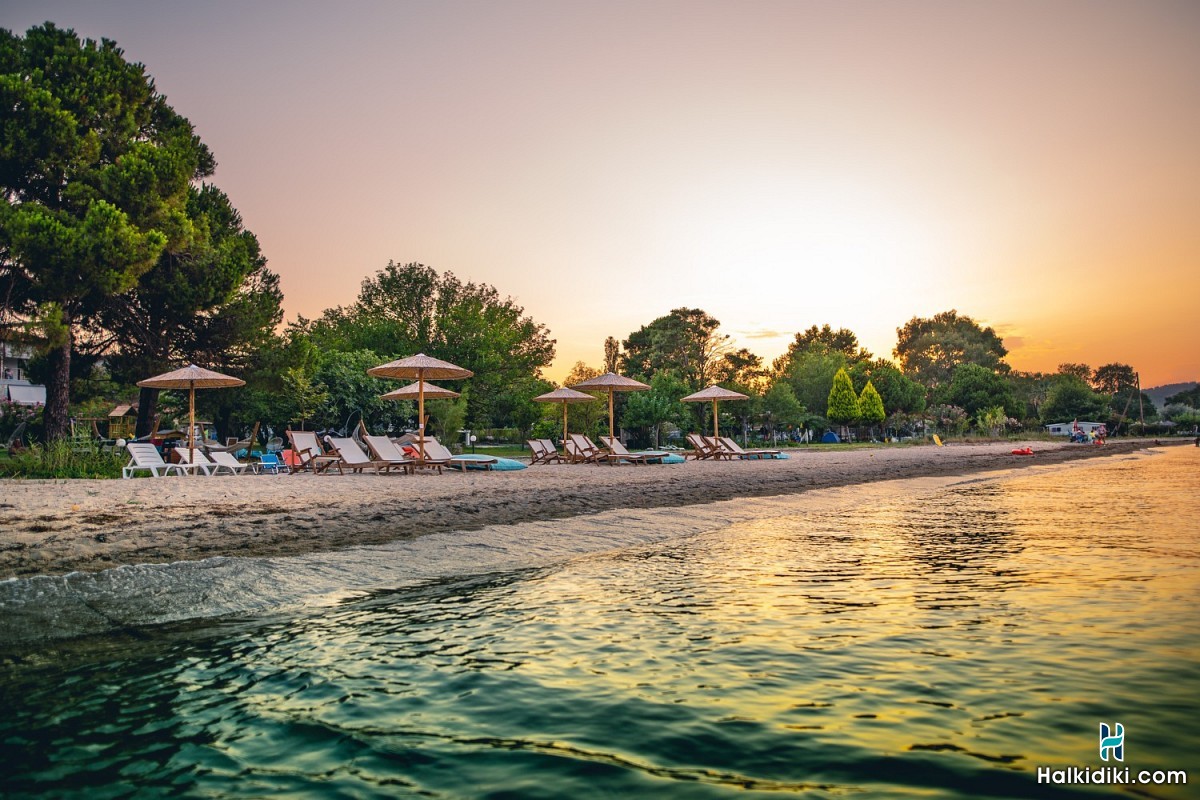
(911, 639)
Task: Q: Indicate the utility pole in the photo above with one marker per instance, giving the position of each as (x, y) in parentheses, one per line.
(1141, 413)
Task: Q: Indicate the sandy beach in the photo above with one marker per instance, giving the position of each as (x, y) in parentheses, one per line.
(55, 527)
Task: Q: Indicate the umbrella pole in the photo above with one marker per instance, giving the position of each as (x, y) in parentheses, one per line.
(564, 423)
(716, 432)
(610, 412)
(191, 421)
(421, 412)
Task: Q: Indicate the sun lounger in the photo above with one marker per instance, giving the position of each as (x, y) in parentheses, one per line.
(544, 452)
(384, 449)
(144, 457)
(618, 452)
(308, 450)
(227, 461)
(702, 448)
(736, 451)
(411, 446)
(354, 459)
(437, 452)
(582, 450)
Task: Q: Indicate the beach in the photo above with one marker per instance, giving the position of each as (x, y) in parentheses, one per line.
(53, 527)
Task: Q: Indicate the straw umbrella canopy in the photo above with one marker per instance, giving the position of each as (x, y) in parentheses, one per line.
(611, 382)
(415, 390)
(191, 378)
(714, 393)
(420, 367)
(564, 396)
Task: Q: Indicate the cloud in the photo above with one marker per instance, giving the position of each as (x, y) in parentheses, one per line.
(763, 334)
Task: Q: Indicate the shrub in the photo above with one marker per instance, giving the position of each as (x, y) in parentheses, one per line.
(60, 460)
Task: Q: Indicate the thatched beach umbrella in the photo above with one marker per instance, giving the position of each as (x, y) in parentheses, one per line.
(564, 396)
(191, 378)
(414, 390)
(611, 382)
(420, 367)
(714, 393)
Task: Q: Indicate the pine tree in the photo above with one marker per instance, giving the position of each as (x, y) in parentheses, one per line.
(843, 402)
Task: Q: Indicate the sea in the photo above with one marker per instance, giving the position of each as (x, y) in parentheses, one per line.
(1033, 633)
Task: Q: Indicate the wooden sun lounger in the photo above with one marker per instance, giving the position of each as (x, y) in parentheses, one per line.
(582, 450)
(354, 459)
(312, 457)
(437, 452)
(702, 448)
(384, 449)
(733, 448)
(544, 452)
(618, 452)
(410, 443)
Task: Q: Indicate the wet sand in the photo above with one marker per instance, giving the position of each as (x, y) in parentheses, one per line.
(55, 527)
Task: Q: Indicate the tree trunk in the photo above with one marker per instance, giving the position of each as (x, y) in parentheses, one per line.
(57, 417)
(147, 406)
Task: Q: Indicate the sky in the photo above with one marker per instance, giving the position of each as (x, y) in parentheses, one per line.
(1033, 164)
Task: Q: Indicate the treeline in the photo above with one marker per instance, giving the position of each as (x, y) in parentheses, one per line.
(947, 374)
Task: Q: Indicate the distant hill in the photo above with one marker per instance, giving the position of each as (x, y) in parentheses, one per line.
(1159, 394)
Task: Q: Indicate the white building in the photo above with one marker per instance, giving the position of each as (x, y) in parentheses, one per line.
(1067, 428)
(14, 386)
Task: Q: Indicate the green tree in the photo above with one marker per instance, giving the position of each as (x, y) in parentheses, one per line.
(1029, 393)
(685, 341)
(1188, 397)
(742, 371)
(95, 168)
(350, 394)
(780, 407)
(209, 300)
(1112, 378)
(974, 388)
(900, 394)
(842, 404)
(612, 354)
(407, 309)
(929, 350)
(824, 340)
(1122, 384)
(1069, 398)
(1081, 371)
(583, 417)
(810, 374)
(870, 406)
(514, 406)
(647, 413)
(447, 417)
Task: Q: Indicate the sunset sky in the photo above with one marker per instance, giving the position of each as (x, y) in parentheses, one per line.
(1035, 165)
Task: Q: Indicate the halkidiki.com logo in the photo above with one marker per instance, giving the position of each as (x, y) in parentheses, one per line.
(1112, 750)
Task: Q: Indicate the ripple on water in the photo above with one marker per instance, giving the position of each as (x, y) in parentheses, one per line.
(908, 639)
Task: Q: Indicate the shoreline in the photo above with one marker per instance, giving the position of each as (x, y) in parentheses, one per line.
(54, 527)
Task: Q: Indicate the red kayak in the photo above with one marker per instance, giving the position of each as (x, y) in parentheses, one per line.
(1023, 451)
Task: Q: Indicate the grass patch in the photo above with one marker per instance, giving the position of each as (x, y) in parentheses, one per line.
(61, 460)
